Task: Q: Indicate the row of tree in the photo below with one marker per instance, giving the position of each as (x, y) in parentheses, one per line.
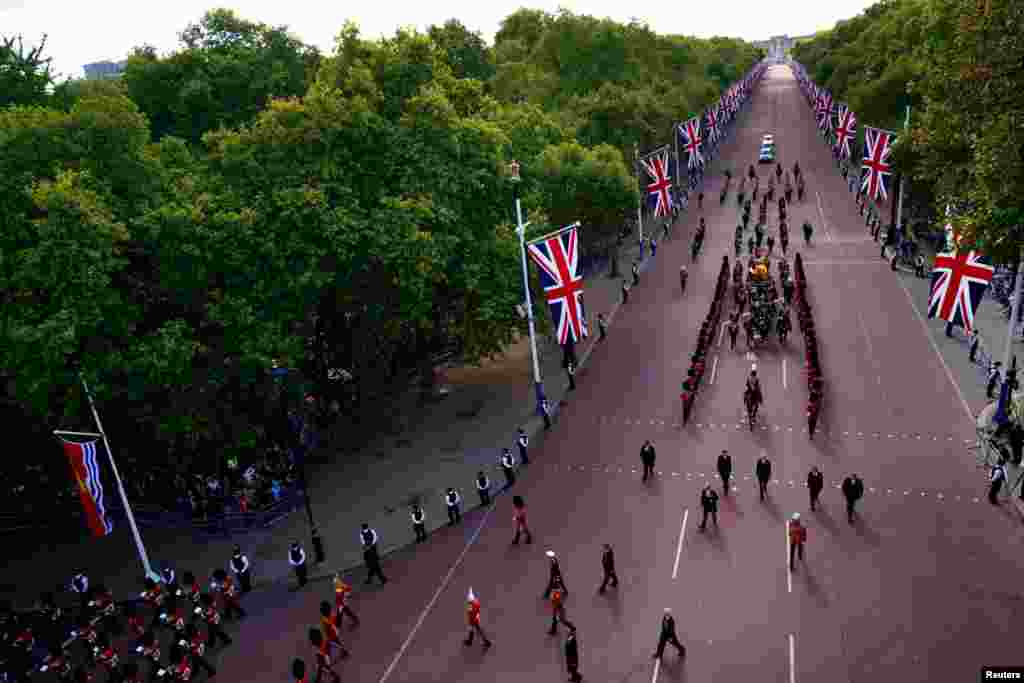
(957, 63)
(247, 201)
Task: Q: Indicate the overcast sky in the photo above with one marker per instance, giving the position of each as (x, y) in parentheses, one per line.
(84, 31)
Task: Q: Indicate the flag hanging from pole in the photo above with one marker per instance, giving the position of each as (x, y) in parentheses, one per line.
(557, 259)
(86, 471)
(876, 167)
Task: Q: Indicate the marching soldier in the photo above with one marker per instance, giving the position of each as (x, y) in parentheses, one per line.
(519, 520)
(197, 649)
(473, 620)
(179, 666)
(797, 536)
(329, 627)
(240, 566)
(452, 500)
(815, 483)
(523, 441)
(709, 504)
(647, 457)
(341, 592)
(555, 577)
(483, 488)
(215, 630)
(667, 635)
(558, 608)
(608, 567)
(150, 649)
(297, 558)
(154, 597)
(322, 652)
(763, 470)
(572, 657)
(853, 490)
(232, 599)
(370, 554)
(418, 523)
(299, 671)
(725, 470)
(80, 586)
(508, 464)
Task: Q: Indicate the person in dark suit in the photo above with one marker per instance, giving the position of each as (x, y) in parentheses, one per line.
(608, 567)
(725, 470)
(647, 456)
(668, 635)
(709, 504)
(572, 657)
(815, 484)
(763, 470)
(853, 490)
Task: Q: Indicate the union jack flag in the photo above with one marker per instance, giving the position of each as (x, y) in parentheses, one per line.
(825, 110)
(657, 166)
(712, 120)
(876, 167)
(689, 135)
(959, 281)
(846, 130)
(86, 471)
(557, 259)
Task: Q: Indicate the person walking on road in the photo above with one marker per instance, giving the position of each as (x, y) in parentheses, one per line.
(853, 490)
(519, 520)
(994, 372)
(709, 504)
(508, 465)
(322, 652)
(419, 525)
(797, 536)
(329, 624)
(215, 629)
(725, 470)
(453, 501)
(763, 470)
(523, 441)
(369, 538)
(341, 593)
(299, 671)
(997, 477)
(555, 577)
(572, 657)
(240, 566)
(608, 567)
(558, 594)
(483, 488)
(602, 327)
(647, 456)
(297, 559)
(197, 649)
(473, 621)
(667, 635)
(815, 483)
(975, 342)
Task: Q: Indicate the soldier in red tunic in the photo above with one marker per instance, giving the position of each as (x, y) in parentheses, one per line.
(473, 620)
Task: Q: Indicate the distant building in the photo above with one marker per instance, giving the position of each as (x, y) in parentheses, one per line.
(98, 70)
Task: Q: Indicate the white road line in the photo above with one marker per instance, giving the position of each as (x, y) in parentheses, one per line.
(437, 594)
(871, 347)
(783, 373)
(824, 223)
(714, 370)
(935, 348)
(792, 658)
(721, 333)
(789, 572)
(679, 548)
(657, 668)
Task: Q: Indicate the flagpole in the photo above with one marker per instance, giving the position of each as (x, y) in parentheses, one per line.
(521, 231)
(639, 197)
(906, 127)
(1014, 314)
(120, 487)
(679, 173)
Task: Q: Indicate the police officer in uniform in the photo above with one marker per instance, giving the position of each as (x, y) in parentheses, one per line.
(647, 456)
(483, 488)
(297, 559)
(240, 566)
(523, 441)
(815, 483)
(508, 464)
(709, 504)
(608, 567)
(369, 538)
(725, 470)
(668, 635)
(853, 490)
(763, 470)
(419, 523)
(453, 501)
(80, 586)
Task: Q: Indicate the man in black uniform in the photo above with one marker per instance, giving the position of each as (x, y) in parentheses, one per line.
(853, 490)
(709, 504)
(240, 566)
(483, 488)
(419, 523)
(508, 464)
(647, 456)
(572, 657)
(668, 635)
(453, 501)
(815, 483)
(369, 539)
(725, 470)
(625, 292)
(570, 370)
(555, 577)
(608, 566)
(523, 441)
(297, 559)
(763, 470)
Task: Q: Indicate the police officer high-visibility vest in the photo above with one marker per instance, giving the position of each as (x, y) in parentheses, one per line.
(239, 564)
(417, 516)
(297, 556)
(452, 498)
(507, 461)
(482, 483)
(369, 538)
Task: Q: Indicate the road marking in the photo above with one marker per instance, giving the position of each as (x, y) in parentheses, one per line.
(714, 370)
(657, 668)
(679, 548)
(789, 570)
(821, 212)
(792, 658)
(783, 373)
(437, 594)
(935, 348)
(721, 334)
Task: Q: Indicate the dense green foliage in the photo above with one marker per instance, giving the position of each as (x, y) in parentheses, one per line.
(246, 200)
(966, 143)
